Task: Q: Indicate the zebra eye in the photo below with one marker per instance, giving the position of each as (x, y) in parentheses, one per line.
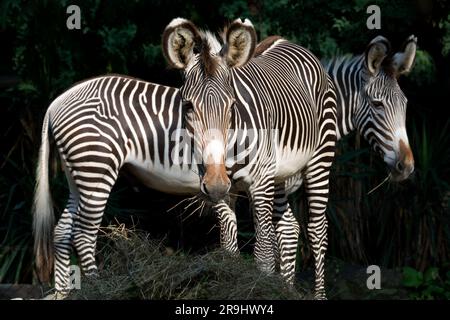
(377, 104)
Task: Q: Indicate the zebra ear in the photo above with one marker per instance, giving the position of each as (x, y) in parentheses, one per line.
(178, 42)
(403, 61)
(376, 51)
(240, 43)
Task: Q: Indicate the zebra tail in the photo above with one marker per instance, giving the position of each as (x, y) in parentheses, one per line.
(43, 217)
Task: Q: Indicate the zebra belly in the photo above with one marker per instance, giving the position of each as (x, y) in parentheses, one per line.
(291, 162)
(173, 180)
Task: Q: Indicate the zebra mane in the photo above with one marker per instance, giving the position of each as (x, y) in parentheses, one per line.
(266, 44)
(209, 50)
(214, 44)
(346, 59)
(339, 60)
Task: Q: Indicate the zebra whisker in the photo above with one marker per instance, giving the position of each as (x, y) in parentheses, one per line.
(182, 201)
(192, 213)
(203, 207)
(194, 200)
(238, 195)
(387, 178)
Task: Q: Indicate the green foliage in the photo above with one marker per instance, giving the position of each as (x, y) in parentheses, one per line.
(115, 42)
(445, 26)
(152, 53)
(424, 71)
(432, 152)
(412, 278)
(15, 246)
(428, 285)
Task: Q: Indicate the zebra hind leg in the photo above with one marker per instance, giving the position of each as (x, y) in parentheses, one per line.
(63, 246)
(287, 231)
(92, 204)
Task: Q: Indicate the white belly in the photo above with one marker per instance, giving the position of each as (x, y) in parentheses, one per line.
(173, 180)
(290, 162)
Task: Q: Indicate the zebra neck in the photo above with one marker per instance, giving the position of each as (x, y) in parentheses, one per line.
(346, 73)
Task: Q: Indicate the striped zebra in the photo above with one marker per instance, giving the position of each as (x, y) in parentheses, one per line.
(100, 126)
(280, 94)
(370, 101)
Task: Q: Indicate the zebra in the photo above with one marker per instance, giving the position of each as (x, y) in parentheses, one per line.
(100, 126)
(283, 93)
(370, 101)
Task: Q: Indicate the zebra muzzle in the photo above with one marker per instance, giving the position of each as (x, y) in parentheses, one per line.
(215, 184)
(405, 163)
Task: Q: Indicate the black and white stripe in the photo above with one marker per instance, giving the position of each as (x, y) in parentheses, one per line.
(284, 94)
(372, 103)
(99, 126)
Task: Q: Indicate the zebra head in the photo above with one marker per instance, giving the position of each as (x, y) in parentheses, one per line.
(207, 90)
(381, 112)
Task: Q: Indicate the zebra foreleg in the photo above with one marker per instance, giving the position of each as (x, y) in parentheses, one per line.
(63, 246)
(266, 244)
(287, 231)
(228, 227)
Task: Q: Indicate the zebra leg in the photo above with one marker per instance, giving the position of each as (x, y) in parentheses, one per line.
(228, 227)
(92, 203)
(287, 231)
(63, 245)
(317, 188)
(265, 245)
(87, 224)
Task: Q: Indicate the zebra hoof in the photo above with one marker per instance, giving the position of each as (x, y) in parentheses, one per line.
(58, 295)
(320, 296)
(233, 253)
(266, 268)
(93, 274)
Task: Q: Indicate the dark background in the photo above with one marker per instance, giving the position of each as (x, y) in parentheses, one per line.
(398, 225)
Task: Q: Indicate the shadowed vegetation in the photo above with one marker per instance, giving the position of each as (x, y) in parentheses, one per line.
(136, 267)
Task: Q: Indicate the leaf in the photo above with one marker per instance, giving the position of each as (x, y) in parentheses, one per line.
(28, 88)
(412, 278)
(152, 52)
(431, 274)
(391, 291)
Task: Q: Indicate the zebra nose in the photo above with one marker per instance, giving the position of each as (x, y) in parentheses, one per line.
(399, 166)
(403, 169)
(405, 162)
(217, 191)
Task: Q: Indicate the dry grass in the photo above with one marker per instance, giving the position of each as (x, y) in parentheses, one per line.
(136, 267)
